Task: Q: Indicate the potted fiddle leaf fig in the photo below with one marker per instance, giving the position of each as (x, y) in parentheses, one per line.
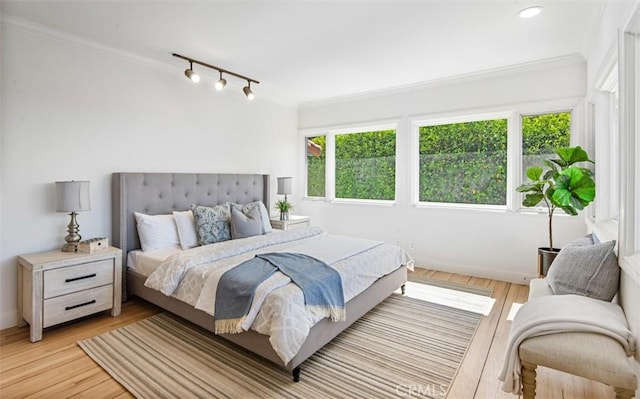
(561, 184)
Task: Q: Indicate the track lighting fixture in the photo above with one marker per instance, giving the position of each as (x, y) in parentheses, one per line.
(222, 82)
(247, 91)
(190, 74)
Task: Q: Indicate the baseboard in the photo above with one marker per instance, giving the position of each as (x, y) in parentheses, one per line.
(8, 319)
(475, 271)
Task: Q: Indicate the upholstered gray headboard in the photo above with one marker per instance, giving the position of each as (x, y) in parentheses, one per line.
(161, 193)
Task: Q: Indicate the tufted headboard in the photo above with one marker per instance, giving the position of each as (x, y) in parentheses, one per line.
(161, 193)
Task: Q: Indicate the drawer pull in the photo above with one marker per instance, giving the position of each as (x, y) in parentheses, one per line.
(80, 304)
(68, 280)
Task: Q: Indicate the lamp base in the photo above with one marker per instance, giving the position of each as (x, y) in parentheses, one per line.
(72, 238)
(70, 247)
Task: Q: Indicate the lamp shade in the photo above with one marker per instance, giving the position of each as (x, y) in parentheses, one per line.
(285, 185)
(72, 196)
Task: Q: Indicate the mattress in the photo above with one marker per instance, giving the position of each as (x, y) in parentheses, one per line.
(145, 262)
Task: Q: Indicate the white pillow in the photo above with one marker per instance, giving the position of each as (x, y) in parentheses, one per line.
(186, 229)
(157, 231)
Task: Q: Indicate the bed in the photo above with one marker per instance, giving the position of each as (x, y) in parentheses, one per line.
(162, 193)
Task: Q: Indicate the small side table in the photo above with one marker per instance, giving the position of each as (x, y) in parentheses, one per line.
(55, 287)
(294, 222)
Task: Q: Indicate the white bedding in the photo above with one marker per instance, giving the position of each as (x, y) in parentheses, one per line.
(191, 276)
(145, 262)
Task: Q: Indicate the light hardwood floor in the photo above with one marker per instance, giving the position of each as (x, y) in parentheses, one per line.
(57, 368)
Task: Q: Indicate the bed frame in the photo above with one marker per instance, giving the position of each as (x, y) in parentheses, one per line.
(161, 193)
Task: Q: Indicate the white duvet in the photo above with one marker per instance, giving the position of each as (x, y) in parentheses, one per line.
(278, 307)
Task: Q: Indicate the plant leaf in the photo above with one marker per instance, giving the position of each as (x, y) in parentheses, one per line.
(534, 173)
(531, 200)
(586, 191)
(570, 210)
(571, 155)
(529, 188)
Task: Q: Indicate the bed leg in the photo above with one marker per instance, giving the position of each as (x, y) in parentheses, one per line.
(403, 289)
(296, 374)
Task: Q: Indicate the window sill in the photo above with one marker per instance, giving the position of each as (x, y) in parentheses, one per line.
(543, 211)
(321, 199)
(363, 202)
(351, 201)
(468, 207)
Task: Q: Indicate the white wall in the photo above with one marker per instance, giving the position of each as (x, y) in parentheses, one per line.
(495, 244)
(74, 112)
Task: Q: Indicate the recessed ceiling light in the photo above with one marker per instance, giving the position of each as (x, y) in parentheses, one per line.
(530, 12)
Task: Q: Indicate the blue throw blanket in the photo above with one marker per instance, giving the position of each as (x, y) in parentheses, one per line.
(319, 282)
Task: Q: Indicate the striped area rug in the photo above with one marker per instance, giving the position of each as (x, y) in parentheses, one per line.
(403, 347)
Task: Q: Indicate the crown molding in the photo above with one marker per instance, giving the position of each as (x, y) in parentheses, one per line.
(26, 26)
(547, 63)
(30, 27)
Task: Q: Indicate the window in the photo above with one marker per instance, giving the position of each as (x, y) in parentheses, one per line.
(365, 166)
(541, 135)
(607, 151)
(316, 165)
(463, 162)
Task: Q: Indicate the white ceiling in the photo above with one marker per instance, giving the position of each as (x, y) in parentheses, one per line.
(309, 50)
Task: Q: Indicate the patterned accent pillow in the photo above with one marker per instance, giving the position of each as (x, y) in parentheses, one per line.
(264, 215)
(587, 269)
(212, 223)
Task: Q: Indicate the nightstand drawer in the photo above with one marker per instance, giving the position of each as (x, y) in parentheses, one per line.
(68, 307)
(76, 278)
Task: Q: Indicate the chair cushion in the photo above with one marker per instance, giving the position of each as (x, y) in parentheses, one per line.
(593, 356)
(539, 287)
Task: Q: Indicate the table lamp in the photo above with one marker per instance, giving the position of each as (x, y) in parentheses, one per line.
(285, 187)
(73, 197)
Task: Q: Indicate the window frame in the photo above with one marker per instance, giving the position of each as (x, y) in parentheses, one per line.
(418, 122)
(607, 148)
(306, 136)
(520, 179)
(330, 159)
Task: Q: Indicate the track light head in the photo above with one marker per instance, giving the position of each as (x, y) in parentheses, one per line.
(247, 91)
(191, 75)
(221, 83)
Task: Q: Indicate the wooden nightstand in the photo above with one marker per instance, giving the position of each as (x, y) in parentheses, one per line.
(54, 287)
(294, 222)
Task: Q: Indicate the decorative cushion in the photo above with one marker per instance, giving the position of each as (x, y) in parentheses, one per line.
(157, 231)
(264, 215)
(585, 268)
(245, 224)
(212, 223)
(186, 229)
